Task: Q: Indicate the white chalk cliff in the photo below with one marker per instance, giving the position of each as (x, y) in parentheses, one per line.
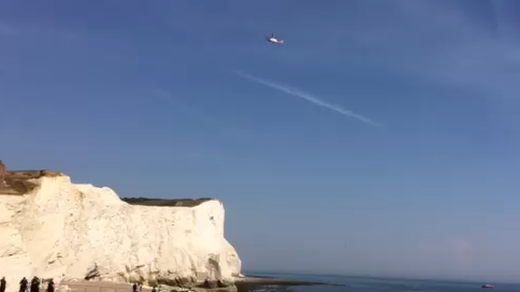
(69, 231)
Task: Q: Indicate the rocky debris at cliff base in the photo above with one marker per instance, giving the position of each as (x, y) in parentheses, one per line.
(92, 272)
(175, 282)
(213, 284)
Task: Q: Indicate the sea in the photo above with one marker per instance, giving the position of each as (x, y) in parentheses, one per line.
(373, 284)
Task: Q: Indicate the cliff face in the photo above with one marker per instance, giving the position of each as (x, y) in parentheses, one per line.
(64, 230)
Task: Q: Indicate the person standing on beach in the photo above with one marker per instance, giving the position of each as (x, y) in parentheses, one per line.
(134, 287)
(35, 285)
(23, 285)
(2, 284)
(50, 286)
(3, 171)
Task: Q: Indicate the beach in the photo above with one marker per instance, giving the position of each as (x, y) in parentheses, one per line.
(247, 283)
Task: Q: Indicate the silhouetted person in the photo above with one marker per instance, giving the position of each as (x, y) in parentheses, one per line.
(35, 284)
(2, 284)
(153, 289)
(134, 287)
(3, 172)
(23, 285)
(50, 286)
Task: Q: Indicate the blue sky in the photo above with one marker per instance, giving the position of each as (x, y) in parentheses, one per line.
(187, 99)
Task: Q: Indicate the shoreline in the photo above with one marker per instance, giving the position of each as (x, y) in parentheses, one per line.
(247, 283)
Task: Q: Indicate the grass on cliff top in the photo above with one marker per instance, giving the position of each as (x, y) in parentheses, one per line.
(165, 202)
(30, 174)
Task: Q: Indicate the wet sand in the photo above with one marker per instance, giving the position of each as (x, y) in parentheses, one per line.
(255, 282)
(106, 286)
(99, 286)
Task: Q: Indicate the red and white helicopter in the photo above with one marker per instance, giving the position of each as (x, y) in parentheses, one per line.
(273, 40)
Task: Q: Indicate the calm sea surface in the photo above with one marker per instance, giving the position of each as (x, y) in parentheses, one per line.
(368, 284)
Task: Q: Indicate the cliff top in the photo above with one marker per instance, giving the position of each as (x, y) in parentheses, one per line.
(19, 182)
(30, 174)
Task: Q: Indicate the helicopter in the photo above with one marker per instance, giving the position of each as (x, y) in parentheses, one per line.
(273, 40)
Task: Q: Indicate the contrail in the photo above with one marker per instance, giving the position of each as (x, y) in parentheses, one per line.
(308, 97)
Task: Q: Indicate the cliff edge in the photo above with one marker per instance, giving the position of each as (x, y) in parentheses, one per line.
(52, 228)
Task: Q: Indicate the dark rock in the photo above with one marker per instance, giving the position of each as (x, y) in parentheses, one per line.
(213, 284)
(181, 290)
(177, 282)
(209, 284)
(92, 272)
(224, 283)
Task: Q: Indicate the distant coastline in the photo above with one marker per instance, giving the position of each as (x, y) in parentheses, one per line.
(475, 280)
